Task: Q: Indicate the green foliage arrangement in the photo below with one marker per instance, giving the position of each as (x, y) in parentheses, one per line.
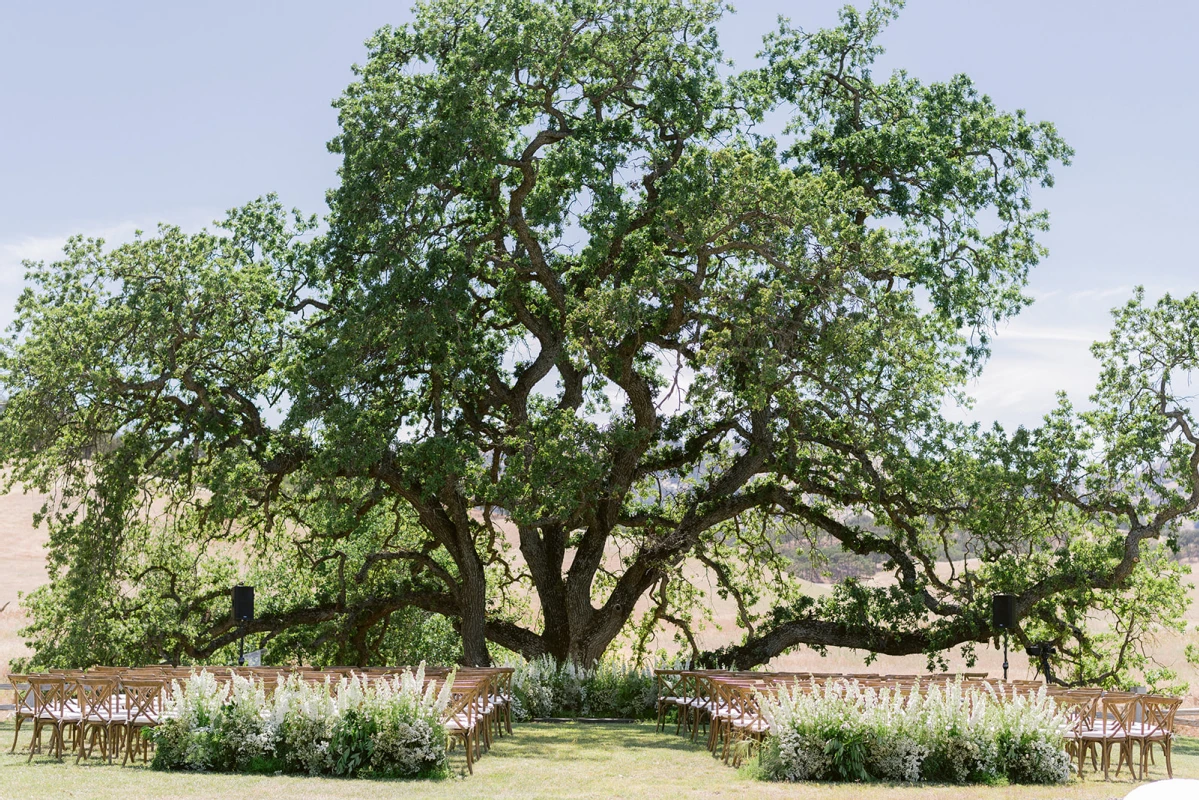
(545, 687)
(842, 731)
(387, 728)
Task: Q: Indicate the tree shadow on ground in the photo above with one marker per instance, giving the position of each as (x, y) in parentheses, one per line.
(1186, 746)
(563, 740)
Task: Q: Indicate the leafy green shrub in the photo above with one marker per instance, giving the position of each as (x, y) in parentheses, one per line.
(545, 688)
(843, 731)
(388, 728)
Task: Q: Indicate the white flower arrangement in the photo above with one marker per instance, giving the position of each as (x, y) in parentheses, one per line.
(944, 733)
(389, 726)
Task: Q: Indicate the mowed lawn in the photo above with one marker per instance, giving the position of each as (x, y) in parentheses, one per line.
(539, 761)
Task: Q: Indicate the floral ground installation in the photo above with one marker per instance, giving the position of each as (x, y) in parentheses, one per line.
(840, 730)
(544, 687)
(385, 728)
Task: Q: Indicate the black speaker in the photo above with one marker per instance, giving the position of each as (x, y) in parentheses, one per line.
(1003, 611)
(243, 603)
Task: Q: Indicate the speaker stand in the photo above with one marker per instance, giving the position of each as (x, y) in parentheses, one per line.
(1005, 656)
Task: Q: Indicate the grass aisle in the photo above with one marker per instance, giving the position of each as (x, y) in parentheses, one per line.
(540, 761)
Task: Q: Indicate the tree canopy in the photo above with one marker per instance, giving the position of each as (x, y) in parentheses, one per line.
(575, 326)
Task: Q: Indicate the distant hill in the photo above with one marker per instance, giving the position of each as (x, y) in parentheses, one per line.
(23, 568)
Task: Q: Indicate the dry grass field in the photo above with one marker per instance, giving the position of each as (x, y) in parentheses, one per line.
(539, 761)
(22, 568)
(628, 761)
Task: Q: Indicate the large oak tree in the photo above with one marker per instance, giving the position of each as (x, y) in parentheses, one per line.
(577, 325)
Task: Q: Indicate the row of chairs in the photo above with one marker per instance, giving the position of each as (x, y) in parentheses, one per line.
(1104, 721)
(725, 703)
(86, 710)
(482, 704)
(109, 707)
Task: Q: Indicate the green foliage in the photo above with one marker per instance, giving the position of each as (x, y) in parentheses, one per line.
(544, 687)
(352, 742)
(847, 754)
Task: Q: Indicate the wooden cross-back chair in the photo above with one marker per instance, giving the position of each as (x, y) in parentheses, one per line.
(670, 692)
(485, 707)
(462, 721)
(1079, 710)
(1156, 727)
(144, 699)
(53, 709)
(501, 697)
(746, 725)
(22, 698)
(729, 708)
(1114, 717)
(97, 713)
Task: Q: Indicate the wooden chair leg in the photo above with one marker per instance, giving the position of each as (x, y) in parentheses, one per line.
(1125, 755)
(678, 722)
(35, 741)
(16, 733)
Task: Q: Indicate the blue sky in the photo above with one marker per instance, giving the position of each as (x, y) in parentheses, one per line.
(118, 115)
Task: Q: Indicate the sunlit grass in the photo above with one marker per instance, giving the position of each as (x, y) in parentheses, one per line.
(540, 761)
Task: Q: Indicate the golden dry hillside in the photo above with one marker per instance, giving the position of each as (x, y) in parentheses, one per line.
(22, 568)
(22, 565)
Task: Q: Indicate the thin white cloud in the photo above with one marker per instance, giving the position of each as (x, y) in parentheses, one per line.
(1031, 361)
(1082, 334)
(49, 249)
(1099, 294)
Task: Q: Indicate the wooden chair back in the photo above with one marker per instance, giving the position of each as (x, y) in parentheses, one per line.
(1122, 708)
(21, 693)
(143, 699)
(1157, 715)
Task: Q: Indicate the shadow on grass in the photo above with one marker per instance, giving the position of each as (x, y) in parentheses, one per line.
(46, 761)
(1186, 746)
(567, 740)
(532, 739)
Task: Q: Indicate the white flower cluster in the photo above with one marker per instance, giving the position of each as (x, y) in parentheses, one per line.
(802, 756)
(389, 726)
(943, 732)
(898, 759)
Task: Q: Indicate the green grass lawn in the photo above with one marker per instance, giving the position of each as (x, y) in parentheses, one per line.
(539, 761)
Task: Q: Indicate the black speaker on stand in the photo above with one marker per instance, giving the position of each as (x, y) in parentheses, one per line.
(243, 612)
(1003, 618)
